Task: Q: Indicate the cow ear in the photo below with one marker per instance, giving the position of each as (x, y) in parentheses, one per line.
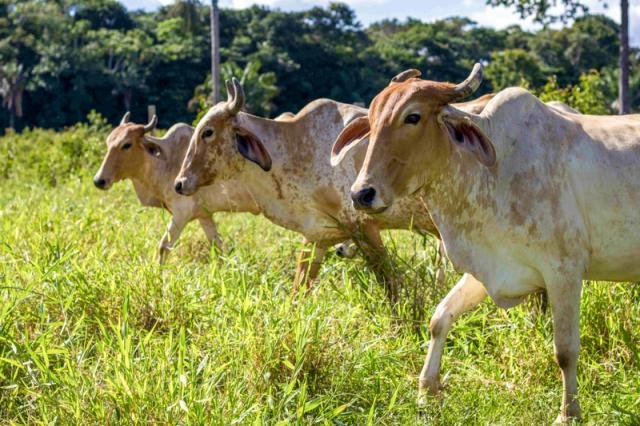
(466, 135)
(153, 148)
(353, 133)
(252, 148)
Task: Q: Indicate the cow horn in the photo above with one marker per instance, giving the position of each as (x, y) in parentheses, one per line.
(231, 92)
(468, 86)
(237, 101)
(125, 118)
(152, 124)
(405, 75)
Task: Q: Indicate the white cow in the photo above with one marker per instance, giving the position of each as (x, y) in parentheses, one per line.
(526, 197)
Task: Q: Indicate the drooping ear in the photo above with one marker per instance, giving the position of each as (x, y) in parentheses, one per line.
(466, 135)
(251, 147)
(153, 148)
(353, 133)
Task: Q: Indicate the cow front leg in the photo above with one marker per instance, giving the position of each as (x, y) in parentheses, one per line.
(564, 297)
(310, 259)
(170, 237)
(211, 231)
(465, 295)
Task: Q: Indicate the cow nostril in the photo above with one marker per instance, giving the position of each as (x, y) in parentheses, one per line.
(368, 195)
(178, 187)
(100, 183)
(364, 197)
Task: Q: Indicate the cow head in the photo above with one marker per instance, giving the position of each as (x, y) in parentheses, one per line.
(220, 145)
(127, 148)
(412, 130)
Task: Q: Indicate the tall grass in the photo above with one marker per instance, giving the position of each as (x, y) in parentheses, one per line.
(93, 331)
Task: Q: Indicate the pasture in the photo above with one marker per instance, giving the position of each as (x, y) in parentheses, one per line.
(94, 331)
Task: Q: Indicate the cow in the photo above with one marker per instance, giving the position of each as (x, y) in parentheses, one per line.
(286, 166)
(519, 193)
(152, 164)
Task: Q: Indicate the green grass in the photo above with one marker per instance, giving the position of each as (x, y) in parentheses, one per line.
(93, 331)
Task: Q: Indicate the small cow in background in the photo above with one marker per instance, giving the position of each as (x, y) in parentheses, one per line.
(152, 165)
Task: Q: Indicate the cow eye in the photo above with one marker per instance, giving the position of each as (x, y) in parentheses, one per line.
(126, 146)
(412, 119)
(207, 133)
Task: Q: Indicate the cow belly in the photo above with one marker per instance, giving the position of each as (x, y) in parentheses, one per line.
(615, 246)
(623, 265)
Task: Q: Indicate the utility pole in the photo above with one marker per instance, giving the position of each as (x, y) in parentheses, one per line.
(215, 53)
(623, 84)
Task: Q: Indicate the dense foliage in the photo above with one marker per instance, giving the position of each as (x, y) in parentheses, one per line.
(60, 59)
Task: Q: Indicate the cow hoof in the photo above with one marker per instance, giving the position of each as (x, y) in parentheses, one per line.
(428, 393)
(564, 419)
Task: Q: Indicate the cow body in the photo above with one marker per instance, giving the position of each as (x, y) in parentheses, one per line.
(295, 187)
(526, 197)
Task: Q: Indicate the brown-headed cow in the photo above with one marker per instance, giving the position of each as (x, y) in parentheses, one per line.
(152, 164)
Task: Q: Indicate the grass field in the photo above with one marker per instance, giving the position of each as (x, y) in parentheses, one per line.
(93, 331)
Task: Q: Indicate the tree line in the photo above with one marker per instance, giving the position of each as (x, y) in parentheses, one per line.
(60, 59)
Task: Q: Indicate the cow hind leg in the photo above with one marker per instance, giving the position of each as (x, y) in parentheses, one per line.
(211, 231)
(464, 296)
(309, 261)
(170, 237)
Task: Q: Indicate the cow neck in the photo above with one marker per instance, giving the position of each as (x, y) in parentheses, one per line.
(236, 196)
(148, 194)
(271, 191)
(461, 191)
(153, 180)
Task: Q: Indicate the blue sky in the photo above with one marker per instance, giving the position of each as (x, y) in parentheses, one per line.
(427, 10)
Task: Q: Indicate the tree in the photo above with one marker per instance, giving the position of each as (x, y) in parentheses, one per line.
(589, 96)
(540, 10)
(514, 67)
(13, 82)
(260, 88)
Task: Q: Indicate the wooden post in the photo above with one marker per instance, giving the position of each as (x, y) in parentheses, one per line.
(215, 53)
(624, 106)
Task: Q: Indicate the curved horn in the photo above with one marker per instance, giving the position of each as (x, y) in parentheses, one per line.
(231, 91)
(125, 118)
(237, 102)
(405, 75)
(468, 86)
(152, 124)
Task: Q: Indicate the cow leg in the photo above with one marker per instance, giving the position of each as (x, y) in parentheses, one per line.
(564, 297)
(465, 295)
(309, 260)
(378, 257)
(209, 228)
(170, 237)
(440, 264)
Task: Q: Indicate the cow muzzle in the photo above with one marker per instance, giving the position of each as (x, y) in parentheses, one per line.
(101, 183)
(367, 198)
(184, 186)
